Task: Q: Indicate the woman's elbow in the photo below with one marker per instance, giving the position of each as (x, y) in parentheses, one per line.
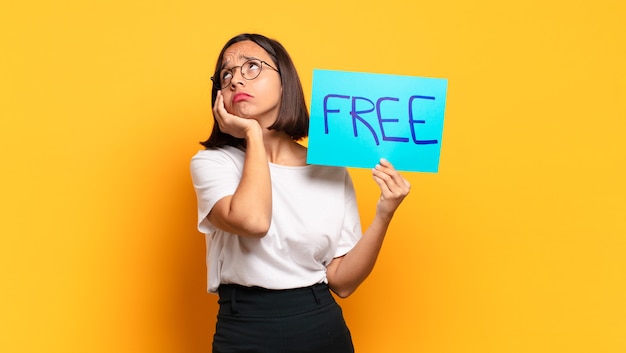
(250, 227)
(256, 228)
(254, 233)
(342, 291)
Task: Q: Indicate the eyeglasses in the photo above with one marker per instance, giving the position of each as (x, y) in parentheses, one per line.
(250, 70)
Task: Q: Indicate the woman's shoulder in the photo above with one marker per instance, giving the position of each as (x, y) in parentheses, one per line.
(218, 153)
(227, 155)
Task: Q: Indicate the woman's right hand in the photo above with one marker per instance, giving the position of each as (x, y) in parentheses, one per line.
(229, 123)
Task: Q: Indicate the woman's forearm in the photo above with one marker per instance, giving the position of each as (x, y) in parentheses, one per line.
(248, 211)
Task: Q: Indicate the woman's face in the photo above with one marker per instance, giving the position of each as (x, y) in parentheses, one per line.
(258, 98)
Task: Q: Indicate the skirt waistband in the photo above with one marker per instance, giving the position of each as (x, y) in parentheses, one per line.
(237, 300)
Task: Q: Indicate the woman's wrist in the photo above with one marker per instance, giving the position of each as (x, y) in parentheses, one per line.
(253, 132)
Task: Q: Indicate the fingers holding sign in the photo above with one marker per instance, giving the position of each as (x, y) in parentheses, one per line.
(393, 186)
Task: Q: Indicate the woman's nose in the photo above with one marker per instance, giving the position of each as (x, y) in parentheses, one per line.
(237, 77)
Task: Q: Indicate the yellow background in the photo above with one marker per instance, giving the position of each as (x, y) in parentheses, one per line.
(518, 244)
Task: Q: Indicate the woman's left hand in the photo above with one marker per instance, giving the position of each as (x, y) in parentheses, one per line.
(393, 187)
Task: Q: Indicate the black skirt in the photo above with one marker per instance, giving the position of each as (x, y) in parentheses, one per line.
(258, 320)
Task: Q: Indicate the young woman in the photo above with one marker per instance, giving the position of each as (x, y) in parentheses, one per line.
(280, 233)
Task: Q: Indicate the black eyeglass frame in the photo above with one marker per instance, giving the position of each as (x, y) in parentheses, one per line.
(232, 71)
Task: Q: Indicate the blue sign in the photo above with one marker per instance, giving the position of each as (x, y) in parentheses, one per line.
(358, 118)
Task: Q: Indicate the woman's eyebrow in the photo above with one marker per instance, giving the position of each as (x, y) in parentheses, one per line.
(240, 57)
(249, 57)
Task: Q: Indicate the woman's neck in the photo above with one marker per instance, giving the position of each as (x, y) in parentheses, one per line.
(281, 149)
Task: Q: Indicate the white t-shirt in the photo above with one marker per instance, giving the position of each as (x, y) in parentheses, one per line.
(314, 219)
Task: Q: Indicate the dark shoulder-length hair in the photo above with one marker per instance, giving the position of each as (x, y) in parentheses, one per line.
(293, 116)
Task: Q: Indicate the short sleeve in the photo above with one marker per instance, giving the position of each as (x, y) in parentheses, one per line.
(215, 174)
(351, 230)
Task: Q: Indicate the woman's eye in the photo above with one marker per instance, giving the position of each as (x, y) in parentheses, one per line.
(226, 75)
(252, 65)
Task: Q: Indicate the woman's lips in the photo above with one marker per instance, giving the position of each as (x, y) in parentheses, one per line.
(241, 97)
